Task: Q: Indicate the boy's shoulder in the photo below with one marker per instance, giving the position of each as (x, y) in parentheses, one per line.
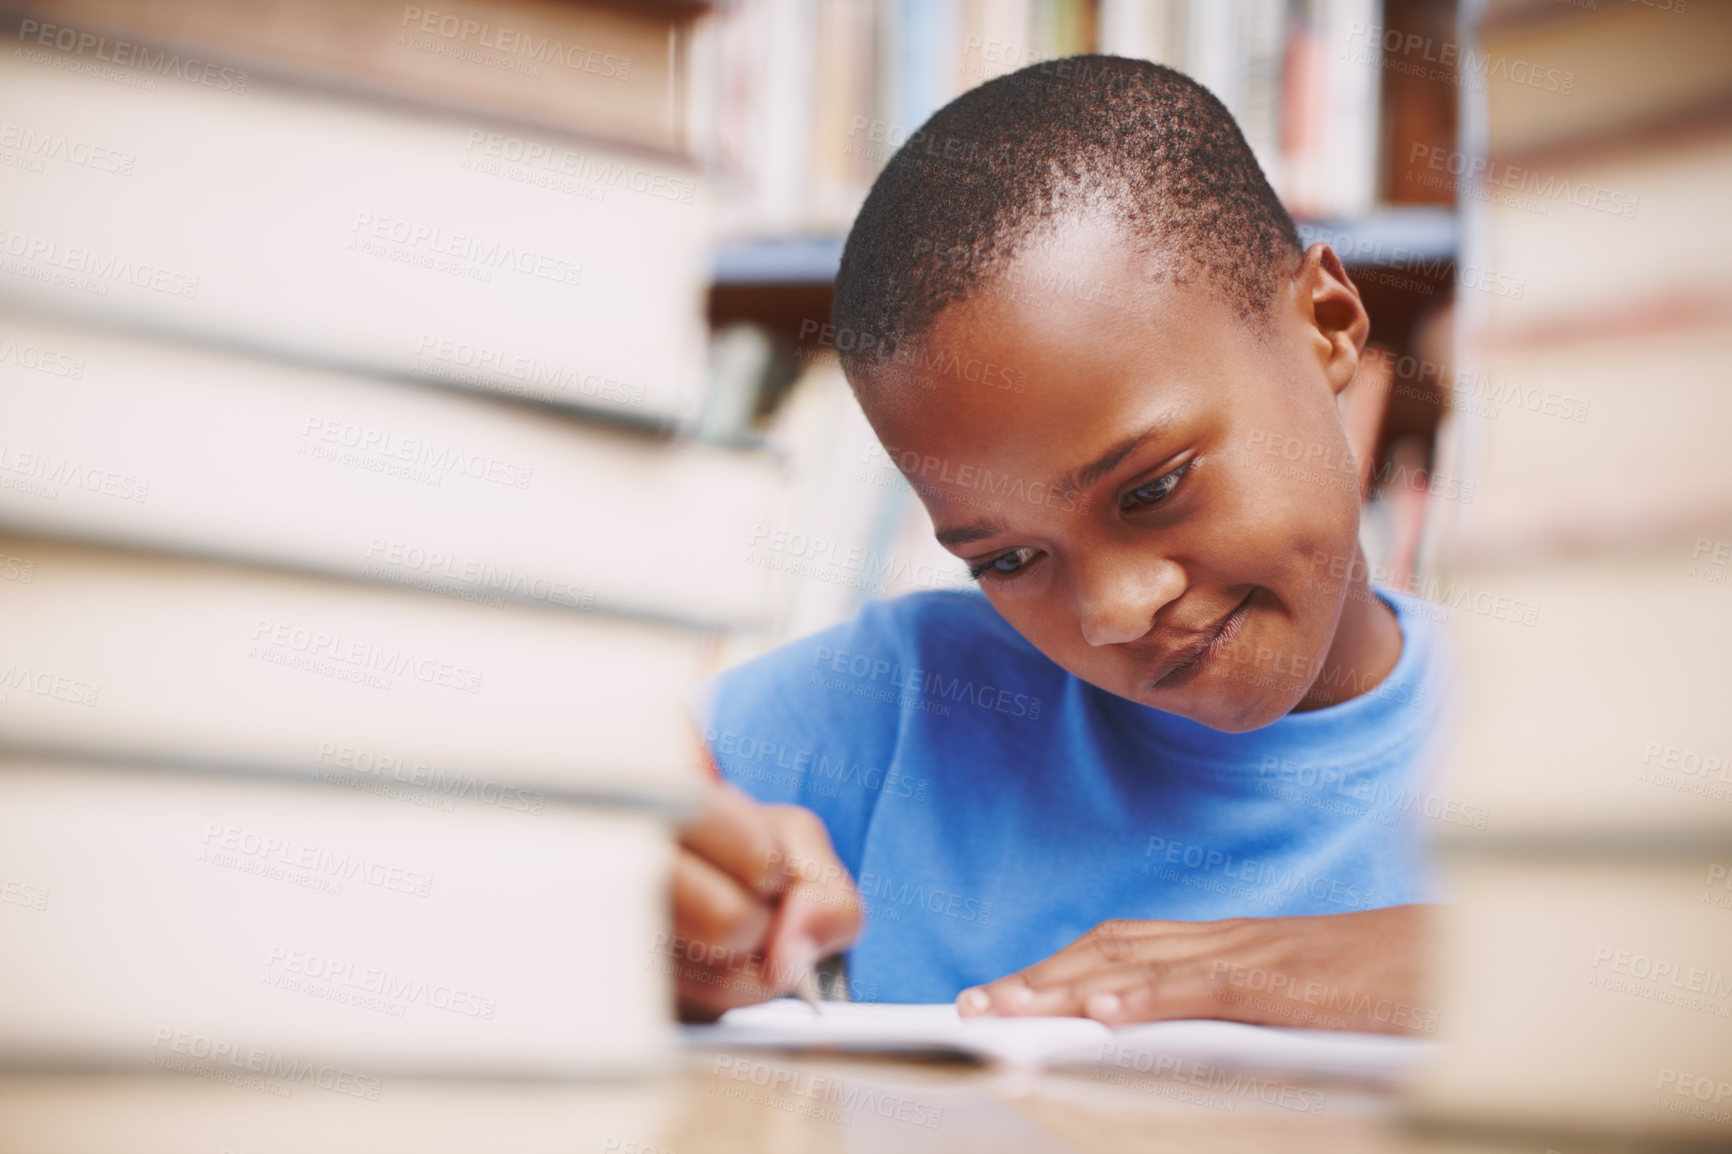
(867, 708)
(889, 649)
(949, 632)
(941, 617)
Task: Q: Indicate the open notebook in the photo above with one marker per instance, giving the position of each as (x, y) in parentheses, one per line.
(938, 1033)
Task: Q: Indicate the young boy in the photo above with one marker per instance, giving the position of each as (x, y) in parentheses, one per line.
(1145, 772)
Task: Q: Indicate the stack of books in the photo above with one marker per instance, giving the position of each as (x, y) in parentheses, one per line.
(353, 569)
(1585, 971)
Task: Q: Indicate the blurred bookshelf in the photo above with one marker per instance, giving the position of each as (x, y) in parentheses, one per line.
(797, 106)
(1382, 236)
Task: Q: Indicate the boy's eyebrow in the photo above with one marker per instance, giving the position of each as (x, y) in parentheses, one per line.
(963, 534)
(1078, 479)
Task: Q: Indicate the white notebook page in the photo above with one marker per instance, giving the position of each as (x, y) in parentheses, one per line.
(937, 1032)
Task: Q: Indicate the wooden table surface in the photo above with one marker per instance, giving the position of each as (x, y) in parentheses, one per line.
(715, 1104)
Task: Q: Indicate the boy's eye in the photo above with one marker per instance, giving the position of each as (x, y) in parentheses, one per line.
(1155, 491)
(1003, 565)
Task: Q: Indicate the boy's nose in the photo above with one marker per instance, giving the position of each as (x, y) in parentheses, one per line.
(1117, 601)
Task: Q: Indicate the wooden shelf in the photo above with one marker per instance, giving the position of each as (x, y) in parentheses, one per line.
(1387, 236)
(794, 260)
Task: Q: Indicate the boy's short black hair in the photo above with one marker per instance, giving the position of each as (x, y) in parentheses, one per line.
(967, 192)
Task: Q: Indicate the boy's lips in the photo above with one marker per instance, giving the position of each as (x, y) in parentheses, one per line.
(1191, 653)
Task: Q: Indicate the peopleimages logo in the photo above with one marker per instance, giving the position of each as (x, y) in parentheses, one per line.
(1379, 799)
(1667, 980)
(1273, 882)
(1697, 1095)
(41, 360)
(437, 248)
(43, 474)
(885, 895)
(1218, 1087)
(1345, 1005)
(187, 1052)
(90, 270)
(823, 773)
(157, 62)
(583, 169)
(1455, 64)
(1544, 186)
(516, 42)
(370, 987)
(441, 572)
(16, 893)
(46, 683)
(929, 475)
(929, 682)
(276, 640)
(835, 562)
(446, 782)
(808, 1094)
(440, 459)
(334, 865)
(35, 147)
(492, 367)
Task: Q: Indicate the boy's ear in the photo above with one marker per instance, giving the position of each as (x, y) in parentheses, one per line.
(1333, 314)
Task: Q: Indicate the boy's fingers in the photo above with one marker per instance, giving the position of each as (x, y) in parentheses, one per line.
(735, 836)
(1134, 993)
(812, 924)
(819, 914)
(1135, 997)
(1011, 995)
(1122, 994)
(706, 991)
(1109, 957)
(756, 877)
(711, 907)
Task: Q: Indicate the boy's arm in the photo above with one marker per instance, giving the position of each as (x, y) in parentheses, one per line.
(759, 899)
(1335, 971)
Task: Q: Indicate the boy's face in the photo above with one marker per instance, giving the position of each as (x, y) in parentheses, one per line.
(1114, 458)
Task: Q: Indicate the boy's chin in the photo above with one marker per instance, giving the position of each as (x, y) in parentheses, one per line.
(1237, 716)
(1227, 707)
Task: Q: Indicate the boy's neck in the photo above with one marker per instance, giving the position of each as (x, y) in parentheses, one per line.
(1366, 647)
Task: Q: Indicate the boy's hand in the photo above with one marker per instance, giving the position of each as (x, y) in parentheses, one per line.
(759, 898)
(1336, 971)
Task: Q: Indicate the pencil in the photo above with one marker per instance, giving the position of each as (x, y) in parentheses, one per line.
(807, 990)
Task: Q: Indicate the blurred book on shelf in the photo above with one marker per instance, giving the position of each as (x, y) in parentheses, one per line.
(1582, 997)
(268, 930)
(123, 654)
(608, 71)
(385, 480)
(852, 529)
(1585, 972)
(349, 359)
(806, 102)
(388, 239)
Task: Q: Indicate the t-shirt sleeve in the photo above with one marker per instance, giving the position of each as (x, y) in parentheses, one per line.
(787, 728)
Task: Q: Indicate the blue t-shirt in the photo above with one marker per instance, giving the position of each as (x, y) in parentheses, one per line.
(992, 807)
